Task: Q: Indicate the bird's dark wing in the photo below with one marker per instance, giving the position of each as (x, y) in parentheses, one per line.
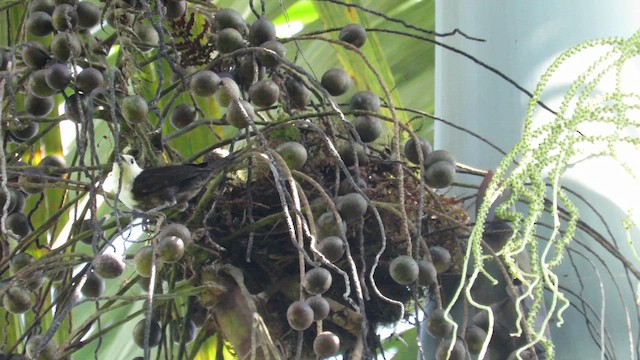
(163, 178)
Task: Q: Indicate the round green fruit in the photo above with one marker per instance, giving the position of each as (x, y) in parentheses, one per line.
(38, 106)
(154, 336)
(268, 58)
(177, 330)
(174, 9)
(18, 223)
(229, 18)
(240, 113)
(366, 101)
(93, 286)
(351, 206)
(88, 14)
(35, 55)
(326, 344)
(299, 95)
(437, 324)
(170, 249)
(57, 76)
(427, 273)
(404, 270)
(439, 155)
(353, 34)
(293, 153)
(108, 265)
(143, 260)
(320, 307)
(369, 128)
(176, 229)
(77, 113)
(317, 281)
(39, 23)
(227, 92)
(459, 351)
(332, 248)
(42, 5)
(441, 258)
(89, 79)
(38, 84)
(147, 36)
(411, 150)
(440, 174)
(229, 40)
(336, 81)
(17, 300)
(64, 17)
(183, 115)
(299, 315)
(134, 109)
(48, 352)
(204, 83)
(65, 46)
(328, 226)
(261, 31)
(264, 93)
(475, 337)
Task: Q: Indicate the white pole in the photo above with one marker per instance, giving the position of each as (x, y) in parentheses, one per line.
(522, 39)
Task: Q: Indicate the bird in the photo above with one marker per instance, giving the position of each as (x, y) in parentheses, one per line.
(158, 188)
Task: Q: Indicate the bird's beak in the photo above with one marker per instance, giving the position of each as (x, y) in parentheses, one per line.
(120, 157)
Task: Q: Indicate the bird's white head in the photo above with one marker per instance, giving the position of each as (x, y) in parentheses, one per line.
(126, 171)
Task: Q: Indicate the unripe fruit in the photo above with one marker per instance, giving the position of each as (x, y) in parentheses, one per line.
(39, 23)
(268, 58)
(108, 265)
(320, 307)
(475, 337)
(250, 70)
(299, 315)
(38, 84)
(93, 286)
(170, 249)
(89, 79)
(328, 226)
(240, 113)
(261, 31)
(183, 115)
(12, 195)
(369, 128)
(411, 150)
(42, 5)
(353, 34)
(154, 336)
(439, 155)
(143, 260)
(404, 270)
(227, 92)
(57, 76)
(88, 15)
(17, 300)
(350, 151)
(204, 83)
(427, 273)
(65, 45)
(293, 153)
(229, 40)
(147, 35)
(317, 281)
(134, 109)
(326, 344)
(336, 81)
(35, 55)
(332, 247)
(229, 18)
(65, 17)
(31, 181)
(351, 206)
(25, 133)
(18, 223)
(264, 93)
(438, 325)
(299, 95)
(72, 110)
(177, 329)
(175, 8)
(441, 258)
(38, 106)
(47, 353)
(176, 229)
(19, 261)
(440, 175)
(459, 352)
(365, 100)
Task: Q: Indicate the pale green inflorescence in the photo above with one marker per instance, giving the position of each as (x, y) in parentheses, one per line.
(541, 157)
